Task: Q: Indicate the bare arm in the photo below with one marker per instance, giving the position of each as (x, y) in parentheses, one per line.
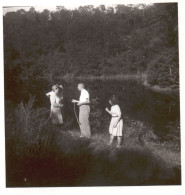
(111, 113)
(48, 94)
(118, 112)
(83, 103)
(117, 120)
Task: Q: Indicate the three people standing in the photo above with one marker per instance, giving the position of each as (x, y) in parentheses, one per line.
(116, 124)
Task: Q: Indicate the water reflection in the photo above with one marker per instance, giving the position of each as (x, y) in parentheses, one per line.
(136, 101)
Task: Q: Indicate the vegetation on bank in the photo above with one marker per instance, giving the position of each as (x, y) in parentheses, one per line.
(40, 154)
(92, 41)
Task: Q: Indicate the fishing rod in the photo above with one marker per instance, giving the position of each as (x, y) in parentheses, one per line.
(76, 115)
(94, 101)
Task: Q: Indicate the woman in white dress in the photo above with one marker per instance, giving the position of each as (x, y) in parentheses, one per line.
(56, 105)
(116, 124)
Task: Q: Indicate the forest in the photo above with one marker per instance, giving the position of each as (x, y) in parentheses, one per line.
(139, 40)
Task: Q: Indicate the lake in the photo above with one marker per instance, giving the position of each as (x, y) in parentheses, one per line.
(136, 101)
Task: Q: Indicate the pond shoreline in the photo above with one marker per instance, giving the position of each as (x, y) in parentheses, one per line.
(141, 78)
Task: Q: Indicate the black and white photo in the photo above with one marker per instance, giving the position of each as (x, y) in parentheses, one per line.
(92, 95)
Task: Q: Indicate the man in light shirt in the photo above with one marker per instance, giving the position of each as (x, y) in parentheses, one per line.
(84, 111)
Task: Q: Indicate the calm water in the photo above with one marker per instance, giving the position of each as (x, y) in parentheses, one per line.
(136, 101)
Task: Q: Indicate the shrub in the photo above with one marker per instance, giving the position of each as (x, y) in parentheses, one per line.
(46, 156)
(164, 70)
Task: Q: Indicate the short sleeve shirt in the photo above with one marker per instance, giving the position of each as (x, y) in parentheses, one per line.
(50, 93)
(84, 96)
(116, 110)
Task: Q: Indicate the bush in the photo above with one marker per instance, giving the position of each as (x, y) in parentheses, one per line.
(163, 70)
(47, 156)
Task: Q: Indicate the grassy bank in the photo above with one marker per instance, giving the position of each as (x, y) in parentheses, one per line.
(40, 154)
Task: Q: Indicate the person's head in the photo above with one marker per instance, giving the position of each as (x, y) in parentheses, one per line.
(59, 86)
(80, 86)
(55, 89)
(113, 100)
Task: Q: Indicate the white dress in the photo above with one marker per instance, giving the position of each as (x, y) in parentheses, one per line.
(56, 114)
(116, 131)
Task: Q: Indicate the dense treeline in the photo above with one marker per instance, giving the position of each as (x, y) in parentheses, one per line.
(93, 41)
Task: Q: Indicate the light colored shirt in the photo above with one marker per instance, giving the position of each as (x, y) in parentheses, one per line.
(55, 100)
(50, 93)
(116, 111)
(84, 96)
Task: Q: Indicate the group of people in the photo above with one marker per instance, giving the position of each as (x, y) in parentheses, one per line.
(56, 100)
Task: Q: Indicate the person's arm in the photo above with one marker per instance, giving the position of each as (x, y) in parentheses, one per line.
(118, 112)
(75, 101)
(83, 103)
(53, 102)
(111, 113)
(48, 94)
(107, 110)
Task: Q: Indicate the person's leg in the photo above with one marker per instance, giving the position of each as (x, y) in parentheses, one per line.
(87, 130)
(61, 127)
(84, 121)
(81, 120)
(119, 142)
(111, 139)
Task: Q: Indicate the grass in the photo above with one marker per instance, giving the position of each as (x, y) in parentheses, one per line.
(40, 154)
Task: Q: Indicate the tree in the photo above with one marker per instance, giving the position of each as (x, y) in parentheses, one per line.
(124, 39)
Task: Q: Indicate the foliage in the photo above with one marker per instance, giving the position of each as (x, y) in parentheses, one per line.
(26, 124)
(164, 69)
(41, 154)
(91, 41)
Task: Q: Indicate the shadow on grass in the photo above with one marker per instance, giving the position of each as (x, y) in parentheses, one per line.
(68, 160)
(40, 154)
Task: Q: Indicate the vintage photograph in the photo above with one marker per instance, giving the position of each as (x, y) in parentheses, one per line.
(92, 95)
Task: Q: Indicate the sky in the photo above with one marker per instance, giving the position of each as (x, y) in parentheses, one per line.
(14, 5)
(49, 7)
(37, 8)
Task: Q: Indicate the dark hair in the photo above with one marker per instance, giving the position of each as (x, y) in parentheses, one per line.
(114, 100)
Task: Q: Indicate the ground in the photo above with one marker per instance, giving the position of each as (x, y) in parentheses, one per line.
(62, 158)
